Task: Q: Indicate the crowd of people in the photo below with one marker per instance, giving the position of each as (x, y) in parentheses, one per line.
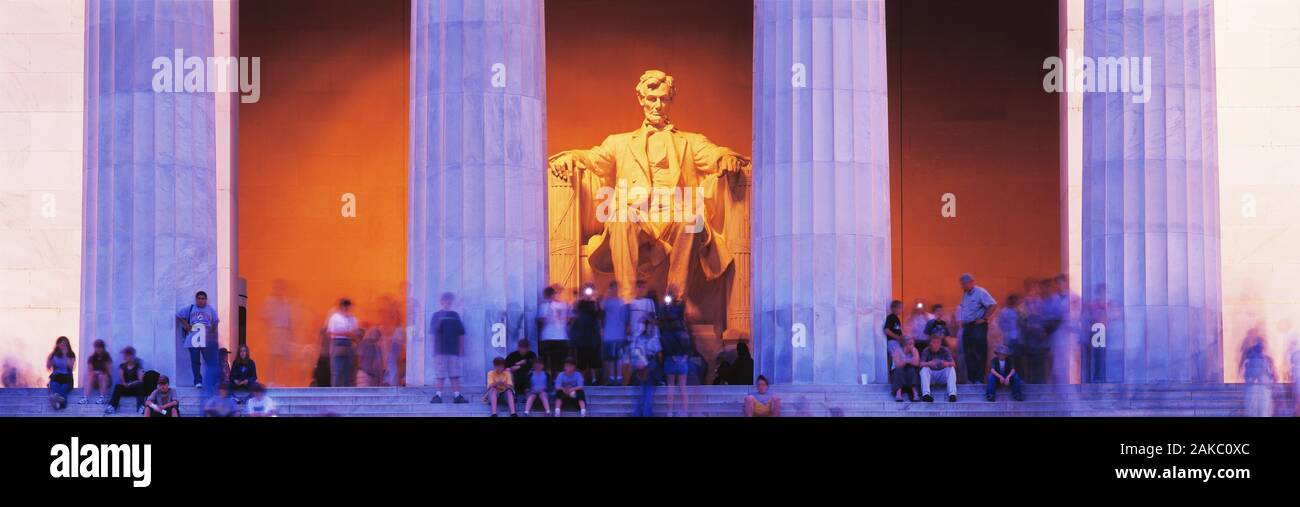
(594, 341)
(645, 342)
(1039, 341)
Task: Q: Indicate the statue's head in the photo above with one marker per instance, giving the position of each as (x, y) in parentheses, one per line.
(655, 92)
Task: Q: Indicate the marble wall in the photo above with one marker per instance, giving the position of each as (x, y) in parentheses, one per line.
(41, 76)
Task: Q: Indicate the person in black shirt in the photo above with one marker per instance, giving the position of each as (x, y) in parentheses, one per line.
(893, 331)
(585, 334)
(130, 382)
(243, 374)
(676, 344)
(1002, 371)
(520, 364)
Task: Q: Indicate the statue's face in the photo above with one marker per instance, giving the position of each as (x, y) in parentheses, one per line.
(655, 104)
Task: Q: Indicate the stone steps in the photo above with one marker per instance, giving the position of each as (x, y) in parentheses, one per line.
(1174, 400)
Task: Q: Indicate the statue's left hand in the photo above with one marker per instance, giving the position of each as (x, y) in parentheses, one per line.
(731, 163)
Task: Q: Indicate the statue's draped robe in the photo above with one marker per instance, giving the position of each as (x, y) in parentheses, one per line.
(624, 158)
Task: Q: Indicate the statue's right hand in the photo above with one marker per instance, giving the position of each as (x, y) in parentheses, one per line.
(563, 165)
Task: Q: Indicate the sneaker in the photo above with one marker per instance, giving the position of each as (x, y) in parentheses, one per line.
(927, 398)
(514, 415)
(436, 399)
(557, 411)
(83, 401)
(952, 398)
(494, 415)
(54, 401)
(100, 401)
(139, 409)
(582, 413)
(525, 413)
(460, 399)
(109, 410)
(198, 385)
(898, 400)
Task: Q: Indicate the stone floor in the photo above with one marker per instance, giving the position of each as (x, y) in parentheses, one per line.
(1176, 400)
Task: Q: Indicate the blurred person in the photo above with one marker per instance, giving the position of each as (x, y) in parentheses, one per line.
(278, 318)
(917, 318)
(202, 349)
(243, 375)
(501, 386)
(221, 405)
(584, 334)
(723, 374)
(907, 371)
(553, 315)
(1066, 307)
(448, 349)
(976, 306)
(342, 330)
(569, 388)
(614, 335)
(223, 357)
(1257, 371)
(1009, 322)
(1038, 329)
(645, 350)
(261, 404)
(676, 344)
(520, 363)
(761, 402)
(392, 341)
(537, 384)
(937, 364)
(1293, 354)
(370, 359)
(742, 369)
(1002, 371)
(163, 402)
(100, 373)
(893, 330)
(641, 325)
(61, 363)
(130, 382)
(1093, 359)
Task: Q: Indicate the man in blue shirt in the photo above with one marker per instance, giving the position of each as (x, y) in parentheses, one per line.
(977, 305)
(193, 319)
(448, 346)
(614, 334)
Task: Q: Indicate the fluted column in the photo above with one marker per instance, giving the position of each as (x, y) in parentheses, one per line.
(1150, 198)
(477, 223)
(150, 216)
(821, 190)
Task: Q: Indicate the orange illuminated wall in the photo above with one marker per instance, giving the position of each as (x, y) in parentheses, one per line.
(332, 120)
(597, 49)
(968, 116)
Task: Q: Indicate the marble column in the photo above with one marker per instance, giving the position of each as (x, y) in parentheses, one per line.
(821, 190)
(1150, 192)
(477, 223)
(150, 216)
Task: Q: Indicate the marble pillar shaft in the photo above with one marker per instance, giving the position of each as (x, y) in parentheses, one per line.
(1150, 193)
(150, 224)
(477, 223)
(821, 190)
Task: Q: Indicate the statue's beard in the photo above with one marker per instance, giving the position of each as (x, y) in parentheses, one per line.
(656, 119)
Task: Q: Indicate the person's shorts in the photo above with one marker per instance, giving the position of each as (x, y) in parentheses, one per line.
(612, 350)
(588, 357)
(446, 366)
(677, 365)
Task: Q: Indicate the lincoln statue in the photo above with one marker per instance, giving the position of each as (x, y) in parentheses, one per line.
(655, 200)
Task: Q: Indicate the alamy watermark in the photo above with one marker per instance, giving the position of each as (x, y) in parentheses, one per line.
(215, 74)
(1103, 74)
(626, 203)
